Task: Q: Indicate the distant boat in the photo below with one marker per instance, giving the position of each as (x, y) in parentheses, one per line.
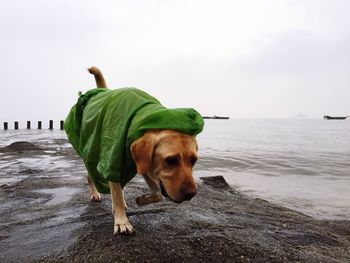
(215, 117)
(221, 118)
(334, 118)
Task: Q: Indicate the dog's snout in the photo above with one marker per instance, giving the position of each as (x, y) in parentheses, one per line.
(188, 193)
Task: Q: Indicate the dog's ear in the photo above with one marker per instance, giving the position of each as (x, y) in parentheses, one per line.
(142, 152)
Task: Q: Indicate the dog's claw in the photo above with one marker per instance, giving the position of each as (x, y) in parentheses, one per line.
(121, 229)
(122, 225)
(96, 197)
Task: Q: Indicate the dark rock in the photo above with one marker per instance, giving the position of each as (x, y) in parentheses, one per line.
(30, 171)
(216, 181)
(20, 147)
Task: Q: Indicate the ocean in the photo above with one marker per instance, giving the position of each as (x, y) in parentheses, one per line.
(302, 164)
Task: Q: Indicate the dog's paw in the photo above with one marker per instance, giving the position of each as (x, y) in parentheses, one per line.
(122, 225)
(123, 229)
(95, 197)
(148, 199)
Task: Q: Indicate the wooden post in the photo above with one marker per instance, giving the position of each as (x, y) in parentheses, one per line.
(16, 125)
(6, 126)
(62, 125)
(28, 125)
(39, 125)
(51, 125)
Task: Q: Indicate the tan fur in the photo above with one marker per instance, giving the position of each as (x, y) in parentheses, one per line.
(160, 156)
(121, 221)
(100, 80)
(95, 196)
(142, 152)
(153, 197)
(150, 153)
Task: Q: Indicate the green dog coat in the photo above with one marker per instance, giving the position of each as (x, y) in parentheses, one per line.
(102, 125)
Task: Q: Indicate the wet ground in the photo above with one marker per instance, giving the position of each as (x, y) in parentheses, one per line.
(46, 216)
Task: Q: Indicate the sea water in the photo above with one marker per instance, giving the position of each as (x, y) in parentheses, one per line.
(302, 164)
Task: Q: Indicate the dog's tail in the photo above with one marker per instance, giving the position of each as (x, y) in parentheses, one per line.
(100, 80)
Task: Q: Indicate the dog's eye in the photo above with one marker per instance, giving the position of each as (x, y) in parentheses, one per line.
(172, 161)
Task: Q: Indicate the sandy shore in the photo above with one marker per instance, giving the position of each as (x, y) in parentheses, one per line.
(46, 216)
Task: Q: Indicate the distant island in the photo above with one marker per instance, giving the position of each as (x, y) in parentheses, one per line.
(215, 117)
(299, 116)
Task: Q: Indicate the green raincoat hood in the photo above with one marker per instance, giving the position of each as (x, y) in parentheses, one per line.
(102, 125)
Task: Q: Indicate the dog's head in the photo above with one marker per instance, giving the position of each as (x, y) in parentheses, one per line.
(168, 158)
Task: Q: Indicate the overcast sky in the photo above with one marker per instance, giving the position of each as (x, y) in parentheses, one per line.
(244, 59)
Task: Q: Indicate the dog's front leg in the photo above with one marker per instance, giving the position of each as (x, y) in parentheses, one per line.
(154, 197)
(121, 221)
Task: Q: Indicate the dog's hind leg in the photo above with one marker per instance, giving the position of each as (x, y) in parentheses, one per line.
(95, 196)
(154, 197)
(121, 221)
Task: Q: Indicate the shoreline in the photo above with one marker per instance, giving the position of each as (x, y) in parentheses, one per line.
(43, 222)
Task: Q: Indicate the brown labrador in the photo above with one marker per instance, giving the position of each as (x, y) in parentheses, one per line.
(165, 158)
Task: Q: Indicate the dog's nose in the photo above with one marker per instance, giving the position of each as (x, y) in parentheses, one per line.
(188, 193)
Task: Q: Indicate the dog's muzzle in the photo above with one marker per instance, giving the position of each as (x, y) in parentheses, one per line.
(186, 193)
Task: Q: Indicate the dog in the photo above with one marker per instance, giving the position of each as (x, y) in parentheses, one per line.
(123, 132)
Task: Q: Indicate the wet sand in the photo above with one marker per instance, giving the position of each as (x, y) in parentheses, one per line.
(46, 216)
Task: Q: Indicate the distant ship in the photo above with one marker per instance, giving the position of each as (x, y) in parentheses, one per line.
(221, 118)
(334, 118)
(215, 117)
